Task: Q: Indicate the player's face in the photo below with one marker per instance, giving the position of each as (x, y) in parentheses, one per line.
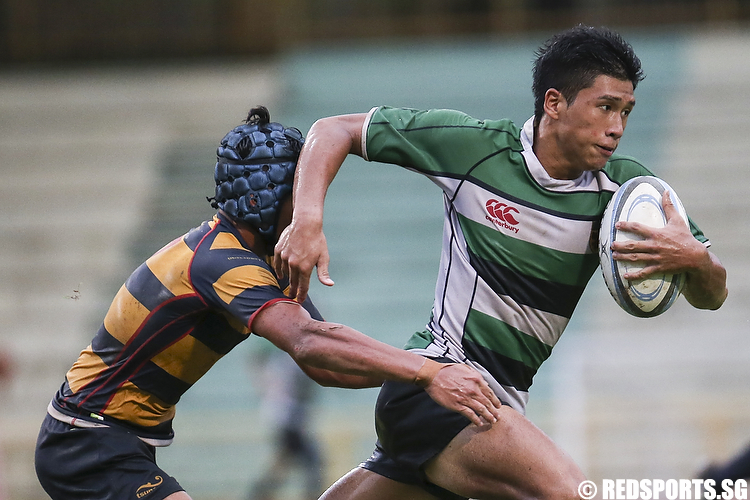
(591, 127)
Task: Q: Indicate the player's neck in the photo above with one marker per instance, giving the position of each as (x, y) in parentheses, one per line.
(548, 152)
(256, 242)
(252, 238)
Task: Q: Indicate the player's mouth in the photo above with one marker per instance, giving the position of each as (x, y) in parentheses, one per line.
(606, 151)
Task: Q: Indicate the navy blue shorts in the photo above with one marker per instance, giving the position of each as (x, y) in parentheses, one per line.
(103, 463)
(412, 428)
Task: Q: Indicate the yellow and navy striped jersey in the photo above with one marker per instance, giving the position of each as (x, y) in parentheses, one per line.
(182, 310)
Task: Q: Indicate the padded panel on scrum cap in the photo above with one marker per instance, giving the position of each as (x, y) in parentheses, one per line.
(255, 171)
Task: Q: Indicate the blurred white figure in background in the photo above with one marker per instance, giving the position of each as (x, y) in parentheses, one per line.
(286, 399)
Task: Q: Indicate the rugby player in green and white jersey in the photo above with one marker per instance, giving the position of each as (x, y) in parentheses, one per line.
(522, 208)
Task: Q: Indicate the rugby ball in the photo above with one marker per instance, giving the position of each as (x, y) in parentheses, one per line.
(638, 200)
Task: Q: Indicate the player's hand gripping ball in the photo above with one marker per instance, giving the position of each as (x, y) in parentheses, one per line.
(638, 200)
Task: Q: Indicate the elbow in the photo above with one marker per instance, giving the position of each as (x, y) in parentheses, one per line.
(344, 130)
(719, 300)
(311, 347)
(306, 351)
(707, 288)
(710, 303)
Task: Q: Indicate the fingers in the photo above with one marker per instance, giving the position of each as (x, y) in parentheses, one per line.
(475, 419)
(294, 286)
(295, 260)
(642, 273)
(484, 414)
(666, 202)
(280, 265)
(462, 389)
(644, 231)
(299, 277)
(636, 228)
(630, 254)
(482, 411)
(671, 212)
(479, 411)
(323, 275)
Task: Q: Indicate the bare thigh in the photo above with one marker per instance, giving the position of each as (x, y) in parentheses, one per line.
(512, 459)
(362, 484)
(179, 495)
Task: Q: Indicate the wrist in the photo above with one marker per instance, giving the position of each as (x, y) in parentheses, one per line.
(308, 217)
(428, 371)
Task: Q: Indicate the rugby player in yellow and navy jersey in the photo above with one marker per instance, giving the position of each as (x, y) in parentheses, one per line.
(191, 303)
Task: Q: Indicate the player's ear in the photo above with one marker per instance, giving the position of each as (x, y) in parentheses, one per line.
(554, 102)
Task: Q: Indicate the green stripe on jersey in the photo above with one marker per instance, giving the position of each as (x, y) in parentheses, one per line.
(420, 340)
(411, 143)
(505, 340)
(547, 264)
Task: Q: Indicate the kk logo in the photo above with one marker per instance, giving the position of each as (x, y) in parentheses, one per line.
(502, 211)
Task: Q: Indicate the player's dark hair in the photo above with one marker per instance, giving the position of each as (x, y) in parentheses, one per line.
(258, 116)
(570, 62)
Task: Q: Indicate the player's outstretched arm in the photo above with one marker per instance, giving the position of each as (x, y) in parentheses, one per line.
(302, 245)
(338, 348)
(673, 249)
(329, 378)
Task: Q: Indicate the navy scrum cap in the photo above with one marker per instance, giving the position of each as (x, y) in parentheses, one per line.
(254, 170)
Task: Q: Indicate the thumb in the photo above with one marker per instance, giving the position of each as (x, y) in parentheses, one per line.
(670, 210)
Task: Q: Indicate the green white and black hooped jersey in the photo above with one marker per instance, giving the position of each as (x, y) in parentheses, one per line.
(518, 248)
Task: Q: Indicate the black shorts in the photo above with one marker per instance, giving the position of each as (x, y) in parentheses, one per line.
(102, 463)
(412, 428)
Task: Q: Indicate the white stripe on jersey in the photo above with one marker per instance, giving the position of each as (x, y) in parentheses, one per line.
(365, 126)
(534, 226)
(450, 310)
(544, 326)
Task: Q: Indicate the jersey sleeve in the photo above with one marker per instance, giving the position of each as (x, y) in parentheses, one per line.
(232, 280)
(245, 289)
(436, 142)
